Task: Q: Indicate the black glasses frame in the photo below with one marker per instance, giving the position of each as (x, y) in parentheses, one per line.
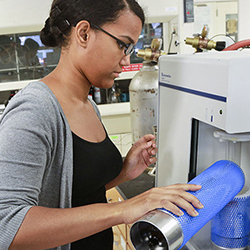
(129, 48)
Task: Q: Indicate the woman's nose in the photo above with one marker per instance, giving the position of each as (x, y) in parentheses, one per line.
(125, 61)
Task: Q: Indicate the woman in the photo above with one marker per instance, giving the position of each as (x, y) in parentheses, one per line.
(56, 160)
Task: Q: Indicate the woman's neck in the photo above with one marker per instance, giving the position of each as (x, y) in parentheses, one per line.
(70, 83)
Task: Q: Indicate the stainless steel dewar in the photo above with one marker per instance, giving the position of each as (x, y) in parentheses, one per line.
(157, 230)
(161, 229)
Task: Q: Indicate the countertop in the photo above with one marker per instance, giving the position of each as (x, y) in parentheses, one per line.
(137, 186)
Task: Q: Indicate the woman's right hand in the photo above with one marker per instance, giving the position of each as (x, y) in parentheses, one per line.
(172, 198)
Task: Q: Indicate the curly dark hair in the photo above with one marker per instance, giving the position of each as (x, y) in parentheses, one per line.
(65, 14)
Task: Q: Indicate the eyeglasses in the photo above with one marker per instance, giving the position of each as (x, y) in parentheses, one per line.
(128, 48)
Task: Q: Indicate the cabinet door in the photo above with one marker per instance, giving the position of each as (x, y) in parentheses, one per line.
(121, 232)
(129, 243)
(119, 241)
(114, 196)
(130, 247)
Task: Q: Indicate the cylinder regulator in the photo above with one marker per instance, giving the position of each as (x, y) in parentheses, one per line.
(143, 91)
(200, 42)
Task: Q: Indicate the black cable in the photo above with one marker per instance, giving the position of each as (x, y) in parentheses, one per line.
(193, 149)
(172, 34)
(223, 35)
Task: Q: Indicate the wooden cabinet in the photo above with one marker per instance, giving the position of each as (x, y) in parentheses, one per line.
(119, 240)
(129, 243)
(121, 232)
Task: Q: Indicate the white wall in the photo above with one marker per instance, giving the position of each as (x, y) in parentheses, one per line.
(29, 16)
(23, 16)
(156, 9)
(244, 20)
(159, 10)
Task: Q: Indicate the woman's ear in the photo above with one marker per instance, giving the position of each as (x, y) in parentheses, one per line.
(82, 32)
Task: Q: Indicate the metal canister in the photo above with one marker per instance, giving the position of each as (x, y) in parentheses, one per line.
(162, 230)
(143, 91)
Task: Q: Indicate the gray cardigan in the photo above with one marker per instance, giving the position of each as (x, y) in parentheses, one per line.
(36, 158)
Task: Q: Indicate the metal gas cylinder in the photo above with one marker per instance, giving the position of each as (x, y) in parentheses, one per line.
(143, 91)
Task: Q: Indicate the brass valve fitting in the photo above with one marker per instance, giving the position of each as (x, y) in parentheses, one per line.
(153, 53)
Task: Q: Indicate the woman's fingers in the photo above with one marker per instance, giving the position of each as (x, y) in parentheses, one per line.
(178, 202)
(153, 149)
(186, 196)
(149, 158)
(175, 197)
(172, 207)
(186, 187)
(146, 142)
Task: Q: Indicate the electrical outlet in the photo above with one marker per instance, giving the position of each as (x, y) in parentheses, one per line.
(174, 47)
(174, 28)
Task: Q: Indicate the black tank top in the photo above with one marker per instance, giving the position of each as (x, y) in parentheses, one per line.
(94, 165)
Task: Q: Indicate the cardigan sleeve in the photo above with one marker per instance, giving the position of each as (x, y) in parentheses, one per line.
(26, 146)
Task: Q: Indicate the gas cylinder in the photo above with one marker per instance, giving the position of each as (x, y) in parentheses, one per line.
(143, 91)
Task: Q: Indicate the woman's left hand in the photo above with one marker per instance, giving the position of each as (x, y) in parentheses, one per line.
(140, 156)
